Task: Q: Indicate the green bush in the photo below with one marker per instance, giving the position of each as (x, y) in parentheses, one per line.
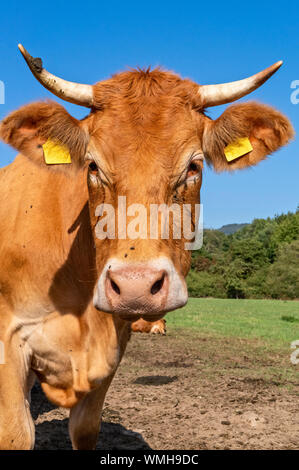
(283, 277)
(203, 284)
(255, 285)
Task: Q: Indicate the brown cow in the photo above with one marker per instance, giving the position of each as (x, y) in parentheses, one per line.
(142, 326)
(67, 297)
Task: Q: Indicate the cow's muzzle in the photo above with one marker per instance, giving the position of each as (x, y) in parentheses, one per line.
(134, 290)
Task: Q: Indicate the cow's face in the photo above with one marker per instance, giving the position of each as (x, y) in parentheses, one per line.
(144, 143)
(145, 149)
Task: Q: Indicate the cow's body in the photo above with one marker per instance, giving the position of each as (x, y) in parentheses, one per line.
(46, 308)
(142, 326)
(68, 296)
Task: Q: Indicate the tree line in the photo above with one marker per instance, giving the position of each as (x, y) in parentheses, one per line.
(261, 260)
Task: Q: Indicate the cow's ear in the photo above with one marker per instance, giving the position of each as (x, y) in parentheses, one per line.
(31, 126)
(266, 129)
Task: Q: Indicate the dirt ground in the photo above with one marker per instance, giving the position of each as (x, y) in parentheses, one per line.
(185, 391)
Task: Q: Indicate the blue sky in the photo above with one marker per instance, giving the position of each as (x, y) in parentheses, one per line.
(209, 42)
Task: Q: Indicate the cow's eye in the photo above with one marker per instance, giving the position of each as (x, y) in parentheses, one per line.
(194, 169)
(93, 168)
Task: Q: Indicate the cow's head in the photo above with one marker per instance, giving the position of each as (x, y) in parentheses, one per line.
(146, 139)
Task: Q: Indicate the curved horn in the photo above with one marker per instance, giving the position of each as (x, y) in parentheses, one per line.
(76, 93)
(213, 95)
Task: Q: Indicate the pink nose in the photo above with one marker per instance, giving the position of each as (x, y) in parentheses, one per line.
(133, 290)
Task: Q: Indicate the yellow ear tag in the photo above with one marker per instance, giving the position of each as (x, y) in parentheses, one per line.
(237, 149)
(56, 153)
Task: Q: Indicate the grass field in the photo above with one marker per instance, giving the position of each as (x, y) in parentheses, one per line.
(275, 322)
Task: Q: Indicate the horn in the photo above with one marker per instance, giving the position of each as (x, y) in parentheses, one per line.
(213, 95)
(76, 93)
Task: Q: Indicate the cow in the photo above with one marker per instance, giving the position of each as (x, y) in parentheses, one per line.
(155, 328)
(68, 297)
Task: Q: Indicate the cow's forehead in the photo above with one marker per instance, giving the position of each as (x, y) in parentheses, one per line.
(148, 151)
(145, 117)
(136, 85)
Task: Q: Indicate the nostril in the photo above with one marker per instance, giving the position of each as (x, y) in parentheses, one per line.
(115, 287)
(157, 286)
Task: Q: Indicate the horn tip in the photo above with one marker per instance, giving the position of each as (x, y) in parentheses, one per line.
(22, 49)
(278, 64)
(35, 64)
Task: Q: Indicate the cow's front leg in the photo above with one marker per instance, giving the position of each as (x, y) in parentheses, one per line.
(85, 418)
(16, 424)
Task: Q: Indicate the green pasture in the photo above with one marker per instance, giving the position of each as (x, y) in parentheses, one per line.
(272, 321)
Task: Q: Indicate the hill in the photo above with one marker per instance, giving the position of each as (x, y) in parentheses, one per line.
(231, 228)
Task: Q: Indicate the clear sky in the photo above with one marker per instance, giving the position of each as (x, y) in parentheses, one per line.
(209, 42)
